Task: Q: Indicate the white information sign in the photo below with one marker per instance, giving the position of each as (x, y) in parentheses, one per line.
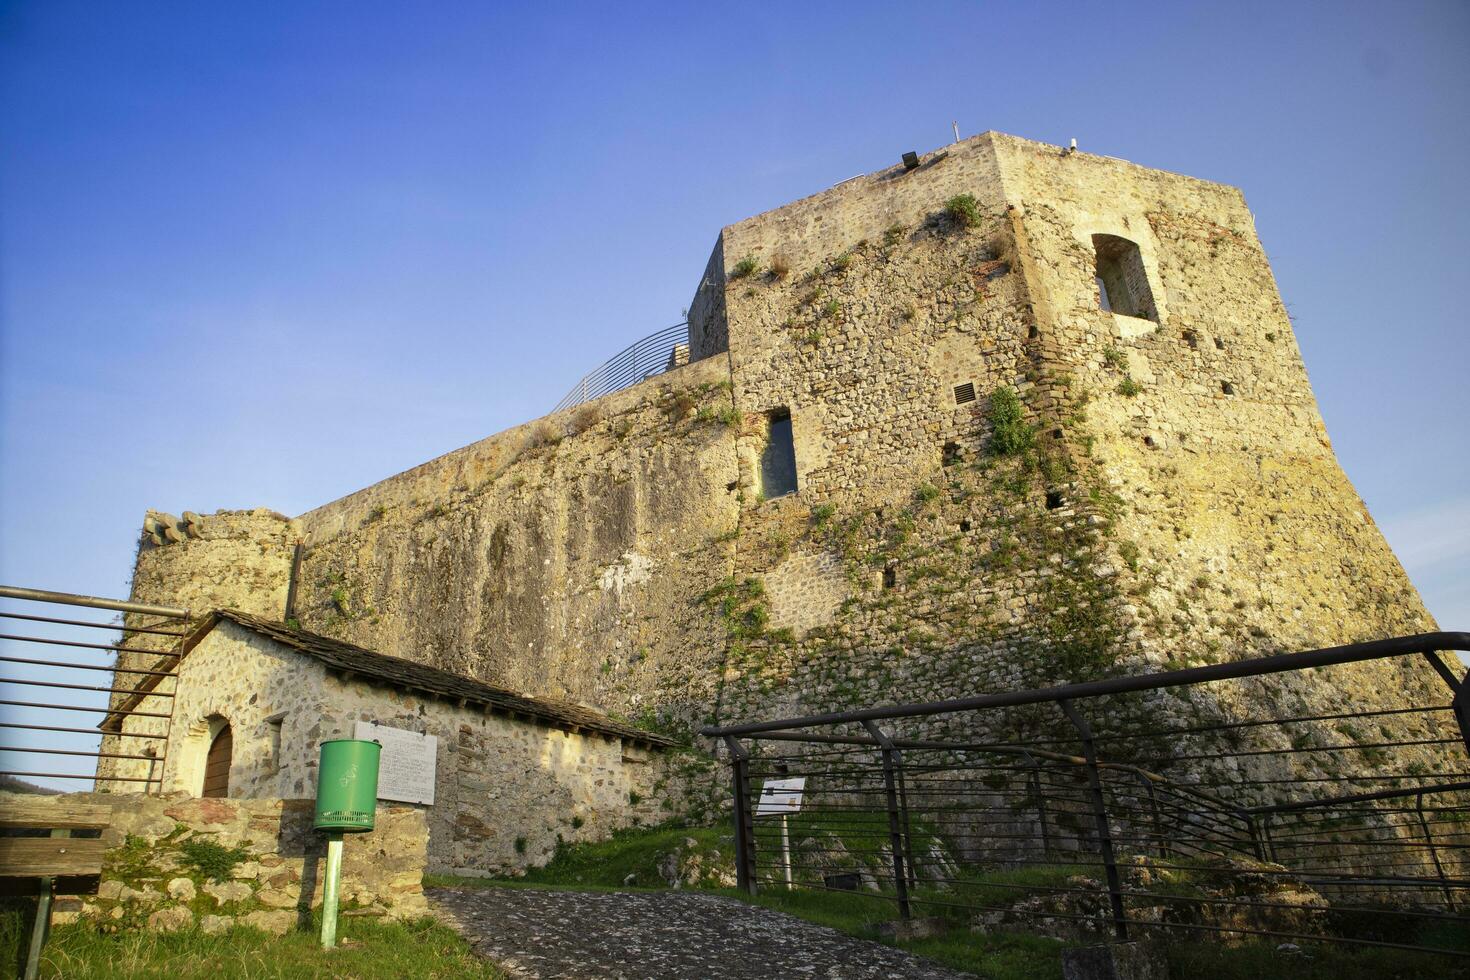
(406, 769)
(780, 797)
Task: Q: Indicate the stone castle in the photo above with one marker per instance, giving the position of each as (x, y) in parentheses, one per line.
(1002, 415)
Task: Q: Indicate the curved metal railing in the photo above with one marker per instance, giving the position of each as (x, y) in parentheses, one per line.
(652, 355)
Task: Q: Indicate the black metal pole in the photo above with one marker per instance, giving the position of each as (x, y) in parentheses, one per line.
(895, 831)
(745, 877)
(1434, 854)
(1153, 805)
(1034, 778)
(291, 583)
(1255, 833)
(1100, 808)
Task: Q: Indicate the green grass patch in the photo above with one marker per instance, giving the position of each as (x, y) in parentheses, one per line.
(369, 950)
(608, 863)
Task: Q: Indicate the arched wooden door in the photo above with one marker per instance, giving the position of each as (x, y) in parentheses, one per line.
(217, 764)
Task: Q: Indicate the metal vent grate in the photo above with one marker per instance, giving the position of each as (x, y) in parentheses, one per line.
(965, 393)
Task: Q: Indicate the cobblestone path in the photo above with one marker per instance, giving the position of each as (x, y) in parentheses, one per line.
(672, 935)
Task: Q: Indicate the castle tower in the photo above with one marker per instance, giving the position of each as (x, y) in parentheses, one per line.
(1011, 415)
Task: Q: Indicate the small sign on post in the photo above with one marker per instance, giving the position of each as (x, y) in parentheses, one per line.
(781, 798)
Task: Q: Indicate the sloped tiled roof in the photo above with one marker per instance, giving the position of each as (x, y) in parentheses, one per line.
(410, 675)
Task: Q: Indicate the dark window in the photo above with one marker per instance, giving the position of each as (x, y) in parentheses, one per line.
(778, 459)
(964, 394)
(1122, 283)
(890, 577)
(1226, 388)
(1053, 499)
(964, 527)
(217, 764)
(951, 453)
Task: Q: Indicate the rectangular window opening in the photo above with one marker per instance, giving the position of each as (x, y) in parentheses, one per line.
(964, 393)
(1122, 280)
(273, 740)
(778, 458)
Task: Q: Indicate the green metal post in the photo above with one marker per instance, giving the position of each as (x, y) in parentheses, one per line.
(329, 889)
(39, 931)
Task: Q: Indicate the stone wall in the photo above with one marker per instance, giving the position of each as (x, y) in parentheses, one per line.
(555, 559)
(267, 871)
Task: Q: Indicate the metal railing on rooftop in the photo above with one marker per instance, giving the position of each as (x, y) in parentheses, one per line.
(652, 355)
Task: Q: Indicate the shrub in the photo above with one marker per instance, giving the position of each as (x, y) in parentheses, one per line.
(744, 267)
(832, 308)
(1009, 433)
(1128, 388)
(210, 858)
(543, 433)
(843, 262)
(963, 210)
(585, 418)
(681, 405)
(780, 266)
(928, 492)
(892, 235)
(1114, 358)
(822, 514)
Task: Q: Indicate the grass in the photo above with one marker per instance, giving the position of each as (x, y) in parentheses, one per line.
(368, 949)
(999, 956)
(608, 863)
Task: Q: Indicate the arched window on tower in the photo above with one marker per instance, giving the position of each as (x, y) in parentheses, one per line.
(1122, 281)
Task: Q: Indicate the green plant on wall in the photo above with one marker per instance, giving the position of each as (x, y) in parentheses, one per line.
(1010, 435)
(211, 859)
(963, 210)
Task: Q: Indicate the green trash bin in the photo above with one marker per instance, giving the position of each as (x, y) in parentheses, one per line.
(347, 785)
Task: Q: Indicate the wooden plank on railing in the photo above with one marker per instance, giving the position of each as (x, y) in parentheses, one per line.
(48, 813)
(50, 856)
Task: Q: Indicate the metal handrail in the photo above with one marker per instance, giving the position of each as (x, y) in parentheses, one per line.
(644, 358)
(1425, 644)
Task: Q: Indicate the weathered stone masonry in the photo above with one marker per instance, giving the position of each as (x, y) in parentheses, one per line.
(1178, 501)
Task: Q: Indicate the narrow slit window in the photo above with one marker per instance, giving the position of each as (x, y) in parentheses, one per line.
(1122, 281)
(273, 740)
(778, 459)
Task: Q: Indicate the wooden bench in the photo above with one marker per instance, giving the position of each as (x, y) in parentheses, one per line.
(50, 846)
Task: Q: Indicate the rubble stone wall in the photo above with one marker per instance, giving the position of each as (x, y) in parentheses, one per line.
(271, 874)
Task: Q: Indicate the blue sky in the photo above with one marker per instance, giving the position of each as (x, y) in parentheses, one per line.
(265, 254)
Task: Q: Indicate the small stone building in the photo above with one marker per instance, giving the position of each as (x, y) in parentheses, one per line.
(253, 701)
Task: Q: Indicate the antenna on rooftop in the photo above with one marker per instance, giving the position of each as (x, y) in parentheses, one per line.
(956, 125)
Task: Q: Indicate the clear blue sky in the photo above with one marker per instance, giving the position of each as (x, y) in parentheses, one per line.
(263, 254)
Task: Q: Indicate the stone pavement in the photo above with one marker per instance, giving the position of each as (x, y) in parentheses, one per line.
(674, 935)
